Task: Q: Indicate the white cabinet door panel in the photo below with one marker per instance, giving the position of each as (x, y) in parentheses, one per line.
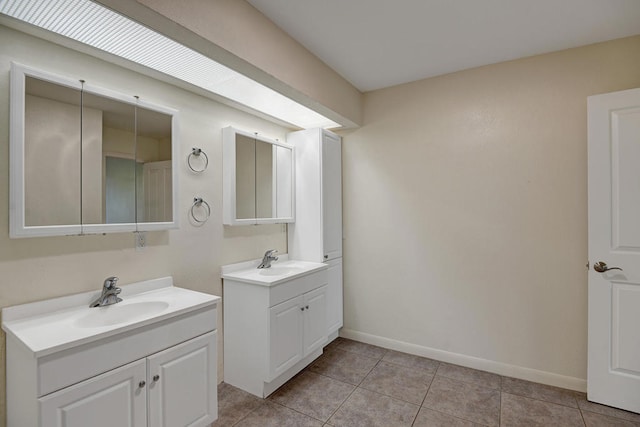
(334, 296)
(182, 384)
(331, 197)
(285, 336)
(111, 399)
(315, 319)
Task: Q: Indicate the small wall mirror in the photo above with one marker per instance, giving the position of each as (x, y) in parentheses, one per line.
(88, 160)
(258, 179)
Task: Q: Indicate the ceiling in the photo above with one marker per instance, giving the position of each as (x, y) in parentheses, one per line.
(379, 43)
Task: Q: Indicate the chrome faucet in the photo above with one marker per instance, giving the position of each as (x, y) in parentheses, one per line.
(268, 258)
(109, 293)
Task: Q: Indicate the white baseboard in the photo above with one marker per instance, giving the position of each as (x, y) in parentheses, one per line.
(543, 377)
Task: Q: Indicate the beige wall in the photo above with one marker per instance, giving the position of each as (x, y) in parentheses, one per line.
(40, 268)
(465, 212)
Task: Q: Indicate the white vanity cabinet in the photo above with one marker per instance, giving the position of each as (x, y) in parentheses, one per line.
(148, 361)
(274, 325)
(317, 233)
(296, 330)
(177, 384)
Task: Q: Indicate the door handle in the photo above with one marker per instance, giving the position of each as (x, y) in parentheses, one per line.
(601, 267)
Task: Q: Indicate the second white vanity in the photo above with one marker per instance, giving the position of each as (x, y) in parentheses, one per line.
(275, 322)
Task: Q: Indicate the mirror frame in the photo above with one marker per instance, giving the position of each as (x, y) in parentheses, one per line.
(17, 226)
(229, 179)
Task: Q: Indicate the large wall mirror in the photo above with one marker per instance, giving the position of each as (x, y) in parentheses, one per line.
(86, 159)
(258, 179)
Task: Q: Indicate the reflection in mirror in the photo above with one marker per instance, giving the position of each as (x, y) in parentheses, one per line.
(153, 155)
(259, 179)
(245, 177)
(264, 180)
(108, 161)
(52, 154)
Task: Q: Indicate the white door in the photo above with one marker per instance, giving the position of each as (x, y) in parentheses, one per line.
(331, 196)
(315, 319)
(285, 336)
(116, 398)
(614, 239)
(182, 384)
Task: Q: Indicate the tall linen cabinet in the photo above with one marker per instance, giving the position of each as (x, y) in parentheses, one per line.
(317, 233)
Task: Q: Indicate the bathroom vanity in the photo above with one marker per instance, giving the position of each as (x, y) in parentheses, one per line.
(275, 322)
(147, 361)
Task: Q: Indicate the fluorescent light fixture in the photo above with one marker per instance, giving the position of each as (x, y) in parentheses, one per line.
(104, 29)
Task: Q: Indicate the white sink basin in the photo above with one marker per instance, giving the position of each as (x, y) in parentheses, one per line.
(49, 326)
(279, 272)
(120, 313)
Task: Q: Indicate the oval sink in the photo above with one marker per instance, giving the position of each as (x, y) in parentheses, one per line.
(279, 271)
(114, 314)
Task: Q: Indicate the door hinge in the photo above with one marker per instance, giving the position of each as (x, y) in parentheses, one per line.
(587, 265)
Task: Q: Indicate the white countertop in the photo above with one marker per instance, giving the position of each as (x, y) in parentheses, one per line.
(280, 271)
(49, 326)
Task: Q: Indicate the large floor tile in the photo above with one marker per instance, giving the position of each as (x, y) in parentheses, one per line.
(369, 409)
(428, 418)
(464, 400)
(273, 415)
(585, 405)
(468, 375)
(312, 394)
(344, 366)
(523, 411)
(411, 361)
(397, 381)
(234, 404)
(362, 348)
(591, 419)
(539, 391)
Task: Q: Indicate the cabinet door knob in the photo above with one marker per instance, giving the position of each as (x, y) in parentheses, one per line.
(301, 308)
(156, 377)
(307, 307)
(142, 383)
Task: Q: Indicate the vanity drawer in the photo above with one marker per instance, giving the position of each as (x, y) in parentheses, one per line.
(291, 289)
(68, 367)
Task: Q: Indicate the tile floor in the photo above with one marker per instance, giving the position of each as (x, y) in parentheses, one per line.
(356, 384)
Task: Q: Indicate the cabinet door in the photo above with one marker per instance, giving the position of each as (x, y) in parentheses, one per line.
(315, 319)
(112, 399)
(334, 295)
(331, 196)
(182, 384)
(285, 336)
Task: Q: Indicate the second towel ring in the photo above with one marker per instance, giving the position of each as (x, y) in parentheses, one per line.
(196, 152)
(197, 202)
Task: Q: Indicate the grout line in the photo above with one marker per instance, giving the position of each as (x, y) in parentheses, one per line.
(264, 401)
(582, 418)
(500, 406)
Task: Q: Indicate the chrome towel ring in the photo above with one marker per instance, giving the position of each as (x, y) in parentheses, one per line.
(198, 202)
(197, 152)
